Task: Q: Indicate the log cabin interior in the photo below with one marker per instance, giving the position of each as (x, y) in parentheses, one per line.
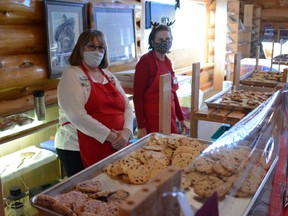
(202, 33)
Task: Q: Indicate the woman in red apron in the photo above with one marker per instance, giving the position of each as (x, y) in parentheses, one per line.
(95, 115)
(109, 110)
(146, 84)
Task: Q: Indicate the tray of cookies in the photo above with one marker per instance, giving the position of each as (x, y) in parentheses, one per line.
(12, 121)
(118, 176)
(263, 78)
(237, 174)
(242, 98)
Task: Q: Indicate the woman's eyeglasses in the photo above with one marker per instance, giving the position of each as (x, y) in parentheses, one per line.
(93, 47)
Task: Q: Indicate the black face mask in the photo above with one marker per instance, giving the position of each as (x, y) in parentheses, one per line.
(163, 46)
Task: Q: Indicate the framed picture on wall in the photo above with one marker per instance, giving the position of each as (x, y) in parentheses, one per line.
(65, 21)
(117, 22)
(282, 34)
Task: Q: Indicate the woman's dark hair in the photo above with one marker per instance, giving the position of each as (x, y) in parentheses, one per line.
(85, 37)
(156, 28)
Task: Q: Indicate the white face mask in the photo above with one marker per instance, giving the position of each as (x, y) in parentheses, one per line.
(93, 58)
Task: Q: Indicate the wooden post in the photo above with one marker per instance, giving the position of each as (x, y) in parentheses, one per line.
(257, 57)
(194, 99)
(237, 67)
(220, 43)
(281, 44)
(285, 75)
(141, 203)
(149, 199)
(2, 213)
(165, 104)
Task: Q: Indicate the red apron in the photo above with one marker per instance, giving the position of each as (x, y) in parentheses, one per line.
(107, 105)
(151, 106)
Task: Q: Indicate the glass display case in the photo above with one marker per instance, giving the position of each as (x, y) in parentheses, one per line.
(236, 166)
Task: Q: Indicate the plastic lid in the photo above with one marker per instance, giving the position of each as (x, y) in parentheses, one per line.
(38, 93)
(15, 193)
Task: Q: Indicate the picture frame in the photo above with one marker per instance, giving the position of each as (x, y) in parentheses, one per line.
(117, 22)
(65, 21)
(282, 34)
(162, 13)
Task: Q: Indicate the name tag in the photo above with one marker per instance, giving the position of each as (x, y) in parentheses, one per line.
(175, 81)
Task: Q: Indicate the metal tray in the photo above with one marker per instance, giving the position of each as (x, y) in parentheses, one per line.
(96, 172)
(265, 82)
(215, 101)
(280, 62)
(229, 206)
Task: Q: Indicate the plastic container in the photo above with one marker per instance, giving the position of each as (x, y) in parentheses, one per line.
(184, 94)
(39, 104)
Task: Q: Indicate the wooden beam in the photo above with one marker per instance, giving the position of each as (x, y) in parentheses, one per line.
(220, 42)
(275, 14)
(165, 104)
(285, 76)
(23, 104)
(21, 12)
(194, 99)
(257, 57)
(2, 213)
(237, 68)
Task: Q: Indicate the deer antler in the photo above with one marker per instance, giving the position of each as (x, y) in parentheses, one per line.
(155, 24)
(171, 23)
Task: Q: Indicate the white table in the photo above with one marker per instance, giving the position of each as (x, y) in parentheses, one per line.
(17, 164)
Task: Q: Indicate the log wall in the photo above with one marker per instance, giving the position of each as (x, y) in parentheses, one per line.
(23, 61)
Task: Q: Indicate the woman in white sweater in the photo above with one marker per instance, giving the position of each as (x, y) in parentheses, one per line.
(95, 115)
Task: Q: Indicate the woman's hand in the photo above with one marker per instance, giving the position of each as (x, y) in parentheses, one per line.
(184, 127)
(122, 139)
(112, 136)
(141, 132)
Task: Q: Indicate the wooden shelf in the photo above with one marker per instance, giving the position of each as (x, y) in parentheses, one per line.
(211, 33)
(256, 23)
(28, 131)
(248, 17)
(237, 16)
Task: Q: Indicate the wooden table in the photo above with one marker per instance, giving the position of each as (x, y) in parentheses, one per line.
(211, 114)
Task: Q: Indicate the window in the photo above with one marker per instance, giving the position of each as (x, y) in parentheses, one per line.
(190, 28)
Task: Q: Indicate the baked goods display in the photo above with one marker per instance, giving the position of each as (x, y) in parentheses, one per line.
(244, 98)
(263, 78)
(268, 76)
(281, 59)
(87, 199)
(153, 157)
(10, 122)
(239, 98)
(234, 171)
